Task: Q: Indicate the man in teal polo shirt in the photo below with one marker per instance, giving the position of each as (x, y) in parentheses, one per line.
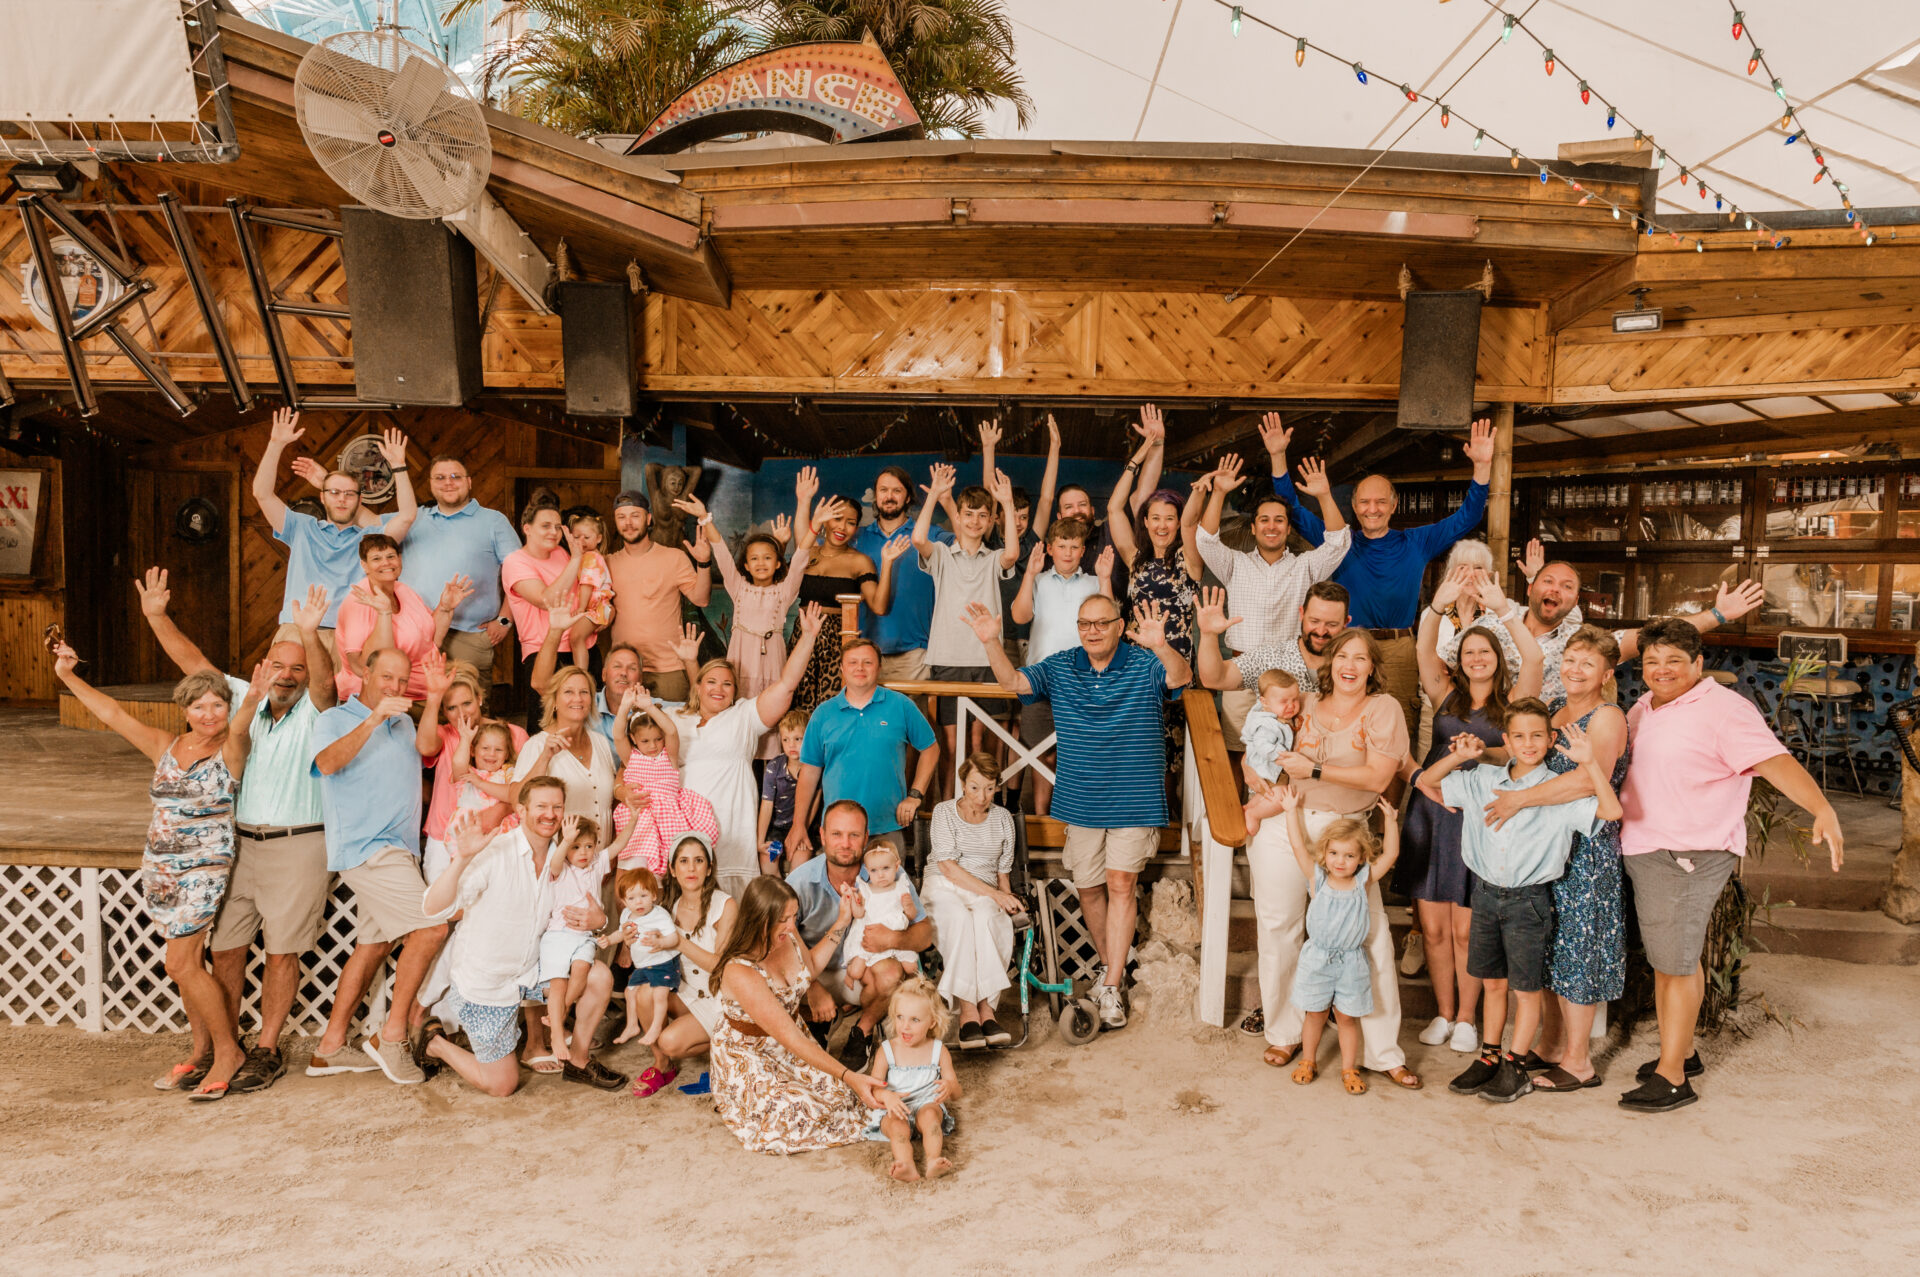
(858, 742)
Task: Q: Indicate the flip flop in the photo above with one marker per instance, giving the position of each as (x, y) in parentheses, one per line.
(653, 1081)
(209, 1093)
(1558, 1079)
(701, 1087)
(545, 1064)
(181, 1077)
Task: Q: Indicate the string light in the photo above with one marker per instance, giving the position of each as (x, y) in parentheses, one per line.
(1586, 94)
(1446, 115)
(1234, 21)
(1779, 89)
(1610, 117)
(1790, 123)
(1300, 52)
(1411, 95)
(1543, 175)
(1549, 61)
(1506, 29)
(1360, 73)
(1515, 162)
(1753, 63)
(1479, 136)
(1660, 160)
(1739, 23)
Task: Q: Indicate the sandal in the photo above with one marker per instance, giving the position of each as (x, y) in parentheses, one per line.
(1351, 1079)
(1532, 1063)
(1254, 1024)
(545, 1064)
(181, 1077)
(1405, 1078)
(208, 1093)
(1558, 1079)
(653, 1081)
(1305, 1073)
(1280, 1056)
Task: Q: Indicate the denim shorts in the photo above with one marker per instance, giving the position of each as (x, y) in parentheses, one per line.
(1333, 978)
(661, 975)
(1512, 931)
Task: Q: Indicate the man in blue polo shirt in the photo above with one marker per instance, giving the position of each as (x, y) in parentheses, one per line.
(326, 551)
(457, 536)
(1110, 788)
(369, 772)
(856, 747)
(1384, 565)
(902, 633)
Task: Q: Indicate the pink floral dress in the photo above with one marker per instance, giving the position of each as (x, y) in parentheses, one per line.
(758, 648)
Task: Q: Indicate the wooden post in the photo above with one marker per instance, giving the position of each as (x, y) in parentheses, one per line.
(1500, 489)
(1902, 899)
(849, 615)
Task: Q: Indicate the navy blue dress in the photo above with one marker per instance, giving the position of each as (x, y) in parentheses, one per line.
(1431, 867)
(1588, 964)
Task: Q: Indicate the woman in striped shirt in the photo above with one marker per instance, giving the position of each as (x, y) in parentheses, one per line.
(968, 890)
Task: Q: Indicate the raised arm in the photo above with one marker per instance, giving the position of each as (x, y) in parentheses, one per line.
(1021, 609)
(154, 596)
(426, 733)
(1389, 840)
(1002, 489)
(546, 659)
(1153, 429)
(151, 741)
(773, 702)
(1120, 506)
(1580, 750)
(1150, 632)
(457, 590)
(1436, 539)
(1532, 672)
(307, 616)
(1313, 482)
(240, 725)
(1729, 605)
(986, 626)
(1211, 620)
(1275, 434)
(1436, 680)
(698, 591)
(1291, 803)
(1049, 482)
(281, 435)
(393, 450)
(878, 594)
(989, 440)
(939, 485)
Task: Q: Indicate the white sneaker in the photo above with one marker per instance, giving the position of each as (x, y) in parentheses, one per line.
(1113, 1008)
(1465, 1040)
(1436, 1033)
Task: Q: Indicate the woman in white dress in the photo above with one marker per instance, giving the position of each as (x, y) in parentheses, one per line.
(969, 892)
(704, 917)
(719, 737)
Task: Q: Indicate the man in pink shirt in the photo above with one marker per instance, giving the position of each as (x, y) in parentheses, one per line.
(1696, 747)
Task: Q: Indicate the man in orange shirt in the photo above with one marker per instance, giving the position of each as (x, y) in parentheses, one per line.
(649, 581)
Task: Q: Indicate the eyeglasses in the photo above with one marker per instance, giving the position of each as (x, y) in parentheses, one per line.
(1094, 627)
(341, 492)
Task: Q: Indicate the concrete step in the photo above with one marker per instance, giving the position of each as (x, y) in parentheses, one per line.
(1859, 885)
(1243, 992)
(1242, 932)
(1847, 935)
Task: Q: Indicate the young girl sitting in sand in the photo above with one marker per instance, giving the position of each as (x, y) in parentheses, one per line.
(578, 866)
(656, 972)
(1332, 972)
(882, 900)
(918, 1074)
(648, 744)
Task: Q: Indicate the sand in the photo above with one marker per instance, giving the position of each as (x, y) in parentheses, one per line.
(1161, 1148)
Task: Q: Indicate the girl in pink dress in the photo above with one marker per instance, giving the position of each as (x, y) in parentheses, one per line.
(648, 744)
(765, 593)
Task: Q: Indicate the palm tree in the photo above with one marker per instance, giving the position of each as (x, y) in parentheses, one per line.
(953, 57)
(605, 66)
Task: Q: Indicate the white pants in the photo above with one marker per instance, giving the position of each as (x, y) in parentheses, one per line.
(1280, 916)
(975, 936)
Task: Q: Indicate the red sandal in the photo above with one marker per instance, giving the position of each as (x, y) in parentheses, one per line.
(652, 1081)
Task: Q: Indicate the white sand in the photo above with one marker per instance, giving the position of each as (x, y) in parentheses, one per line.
(1154, 1149)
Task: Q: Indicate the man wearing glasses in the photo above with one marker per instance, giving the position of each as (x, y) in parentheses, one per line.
(1107, 697)
(327, 551)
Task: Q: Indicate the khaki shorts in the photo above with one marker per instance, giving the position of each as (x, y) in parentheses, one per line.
(668, 685)
(278, 890)
(472, 647)
(387, 892)
(1091, 854)
(904, 667)
(1233, 716)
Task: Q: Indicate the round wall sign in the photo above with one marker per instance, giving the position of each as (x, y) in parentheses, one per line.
(87, 283)
(361, 459)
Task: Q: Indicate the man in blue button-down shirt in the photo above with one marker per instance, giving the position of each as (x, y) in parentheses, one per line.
(1385, 564)
(902, 632)
(457, 536)
(369, 772)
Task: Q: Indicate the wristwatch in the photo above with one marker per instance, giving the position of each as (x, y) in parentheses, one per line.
(916, 795)
(504, 620)
(1316, 772)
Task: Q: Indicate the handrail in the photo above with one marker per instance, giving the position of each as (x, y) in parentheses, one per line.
(1225, 817)
(929, 687)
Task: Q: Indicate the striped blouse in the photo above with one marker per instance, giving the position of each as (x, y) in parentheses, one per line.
(984, 850)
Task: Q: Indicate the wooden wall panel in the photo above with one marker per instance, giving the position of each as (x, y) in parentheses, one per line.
(26, 671)
(974, 341)
(1728, 356)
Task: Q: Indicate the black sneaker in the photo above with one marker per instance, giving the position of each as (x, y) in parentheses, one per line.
(994, 1034)
(1657, 1095)
(1481, 1072)
(1509, 1084)
(857, 1052)
(1692, 1068)
(263, 1068)
(972, 1036)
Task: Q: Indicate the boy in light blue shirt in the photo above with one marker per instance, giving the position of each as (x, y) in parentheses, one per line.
(1050, 599)
(1514, 867)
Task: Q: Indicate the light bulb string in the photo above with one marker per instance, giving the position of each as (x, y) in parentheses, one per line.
(1644, 220)
(1795, 125)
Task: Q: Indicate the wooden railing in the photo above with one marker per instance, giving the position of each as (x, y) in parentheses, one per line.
(1212, 818)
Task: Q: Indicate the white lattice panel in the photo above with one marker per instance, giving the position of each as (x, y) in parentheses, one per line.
(43, 942)
(1073, 945)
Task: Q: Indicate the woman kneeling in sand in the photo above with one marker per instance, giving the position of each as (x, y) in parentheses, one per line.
(774, 1086)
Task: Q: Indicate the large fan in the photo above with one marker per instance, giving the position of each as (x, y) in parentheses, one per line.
(392, 124)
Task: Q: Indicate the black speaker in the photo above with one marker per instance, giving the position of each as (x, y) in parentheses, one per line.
(1438, 350)
(600, 365)
(415, 305)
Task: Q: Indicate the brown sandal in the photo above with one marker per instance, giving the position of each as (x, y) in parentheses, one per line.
(1406, 1078)
(1351, 1079)
(1305, 1073)
(1280, 1056)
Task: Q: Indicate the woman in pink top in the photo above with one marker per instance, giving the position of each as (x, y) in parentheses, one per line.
(763, 596)
(381, 612)
(542, 575)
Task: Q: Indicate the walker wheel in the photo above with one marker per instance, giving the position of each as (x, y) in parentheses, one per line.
(1079, 1024)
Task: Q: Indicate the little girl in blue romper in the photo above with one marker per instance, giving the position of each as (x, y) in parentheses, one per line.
(1332, 972)
(919, 1077)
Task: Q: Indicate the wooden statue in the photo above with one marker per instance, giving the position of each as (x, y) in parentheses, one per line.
(665, 485)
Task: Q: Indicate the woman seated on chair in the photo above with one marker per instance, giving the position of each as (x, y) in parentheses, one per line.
(968, 890)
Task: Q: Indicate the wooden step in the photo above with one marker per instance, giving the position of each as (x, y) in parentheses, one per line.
(1868, 937)
(1417, 1005)
(149, 703)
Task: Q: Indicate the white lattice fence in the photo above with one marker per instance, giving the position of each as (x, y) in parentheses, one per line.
(77, 947)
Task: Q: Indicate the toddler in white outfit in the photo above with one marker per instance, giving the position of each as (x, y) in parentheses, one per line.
(577, 866)
(656, 971)
(885, 900)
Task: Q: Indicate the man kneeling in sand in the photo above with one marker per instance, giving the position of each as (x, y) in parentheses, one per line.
(504, 895)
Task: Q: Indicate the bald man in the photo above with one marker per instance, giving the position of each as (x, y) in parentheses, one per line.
(1384, 566)
(279, 885)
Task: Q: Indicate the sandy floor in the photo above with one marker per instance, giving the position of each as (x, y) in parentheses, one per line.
(1153, 1149)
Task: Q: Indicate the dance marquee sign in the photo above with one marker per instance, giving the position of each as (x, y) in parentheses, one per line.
(835, 90)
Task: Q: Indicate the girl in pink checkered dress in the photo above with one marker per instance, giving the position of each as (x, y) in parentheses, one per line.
(648, 744)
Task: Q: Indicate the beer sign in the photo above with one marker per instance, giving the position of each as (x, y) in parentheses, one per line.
(19, 512)
(834, 90)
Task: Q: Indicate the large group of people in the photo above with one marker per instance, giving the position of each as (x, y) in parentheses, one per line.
(723, 852)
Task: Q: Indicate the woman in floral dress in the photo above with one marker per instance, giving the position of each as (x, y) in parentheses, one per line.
(1162, 567)
(775, 1087)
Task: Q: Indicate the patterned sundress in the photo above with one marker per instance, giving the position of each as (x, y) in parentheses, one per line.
(1588, 963)
(189, 851)
(822, 682)
(1165, 581)
(771, 1099)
